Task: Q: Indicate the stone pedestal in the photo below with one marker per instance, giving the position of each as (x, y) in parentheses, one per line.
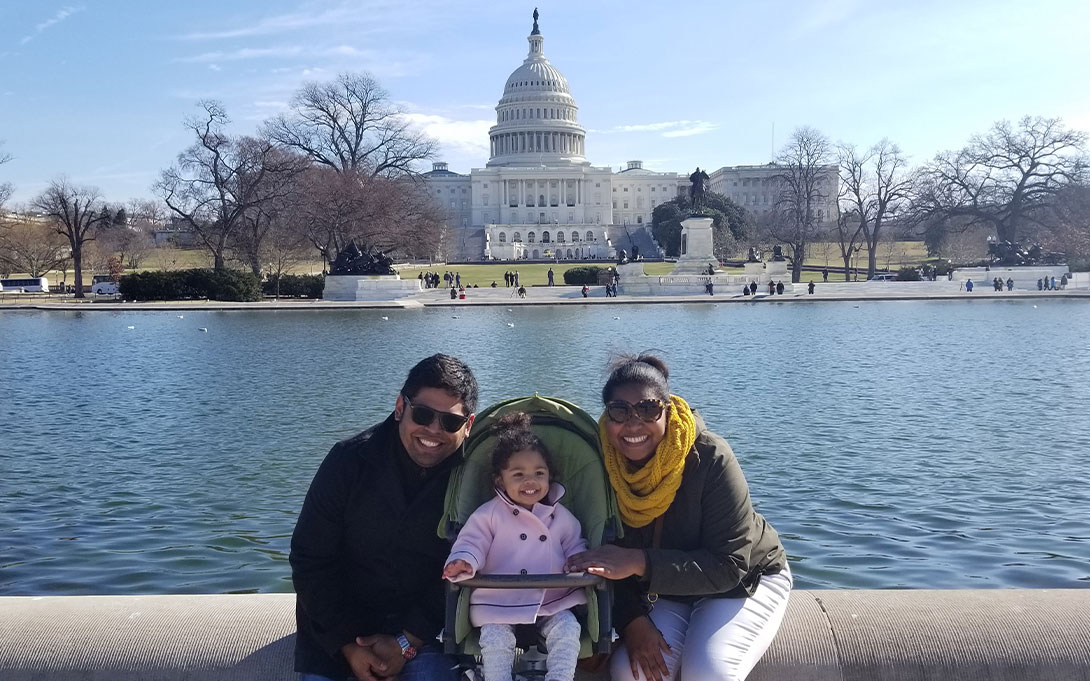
(777, 271)
(632, 280)
(368, 287)
(696, 246)
(755, 271)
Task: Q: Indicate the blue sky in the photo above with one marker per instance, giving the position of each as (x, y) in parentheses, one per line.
(98, 89)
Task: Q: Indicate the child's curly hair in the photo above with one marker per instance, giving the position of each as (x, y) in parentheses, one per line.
(515, 436)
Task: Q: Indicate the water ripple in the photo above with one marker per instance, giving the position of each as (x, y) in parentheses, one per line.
(908, 444)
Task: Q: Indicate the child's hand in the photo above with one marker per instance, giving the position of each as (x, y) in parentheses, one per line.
(457, 569)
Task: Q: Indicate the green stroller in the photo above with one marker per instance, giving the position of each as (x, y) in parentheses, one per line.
(571, 436)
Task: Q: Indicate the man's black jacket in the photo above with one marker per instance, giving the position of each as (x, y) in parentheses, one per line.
(365, 556)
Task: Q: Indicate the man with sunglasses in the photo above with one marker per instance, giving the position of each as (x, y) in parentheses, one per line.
(366, 561)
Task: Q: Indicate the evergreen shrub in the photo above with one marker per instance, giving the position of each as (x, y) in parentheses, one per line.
(583, 274)
(296, 286)
(908, 274)
(230, 285)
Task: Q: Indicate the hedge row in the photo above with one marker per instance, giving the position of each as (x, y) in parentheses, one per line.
(230, 285)
(583, 274)
(296, 286)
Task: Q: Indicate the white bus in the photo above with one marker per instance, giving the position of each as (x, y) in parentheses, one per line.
(28, 285)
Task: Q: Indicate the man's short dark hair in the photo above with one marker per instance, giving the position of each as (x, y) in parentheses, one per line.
(446, 373)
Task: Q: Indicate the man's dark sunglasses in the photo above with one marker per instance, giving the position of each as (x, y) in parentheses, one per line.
(425, 416)
(649, 411)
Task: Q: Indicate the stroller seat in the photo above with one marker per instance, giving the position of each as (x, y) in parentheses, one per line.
(571, 436)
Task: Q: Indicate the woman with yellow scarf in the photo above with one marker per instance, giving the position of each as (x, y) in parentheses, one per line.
(702, 579)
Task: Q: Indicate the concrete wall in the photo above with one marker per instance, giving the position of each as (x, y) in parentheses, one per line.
(987, 635)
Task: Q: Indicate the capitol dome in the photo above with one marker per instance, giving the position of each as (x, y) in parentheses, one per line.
(536, 121)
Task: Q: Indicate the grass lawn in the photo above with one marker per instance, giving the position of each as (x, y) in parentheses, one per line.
(892, 255)
(530, 274)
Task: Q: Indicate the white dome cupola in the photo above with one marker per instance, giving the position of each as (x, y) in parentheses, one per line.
(536, 120)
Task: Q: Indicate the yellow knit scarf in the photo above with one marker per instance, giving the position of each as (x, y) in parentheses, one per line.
(645, 493)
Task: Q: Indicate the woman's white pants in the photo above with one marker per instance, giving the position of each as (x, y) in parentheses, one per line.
(715, 639)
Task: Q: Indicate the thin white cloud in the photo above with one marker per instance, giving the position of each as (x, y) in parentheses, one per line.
(243, 53)
(697, 128)
(61, 14)
(819, 17)
(215, 67)
(377, 14)
(466, 137)
(664, 128)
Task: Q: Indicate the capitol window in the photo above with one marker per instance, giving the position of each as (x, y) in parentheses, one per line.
(639, 219)
(574, 237)
(560, 237)
(530, 237)
(590, 236)
(503, 237)
(544, 237)
(517, 237)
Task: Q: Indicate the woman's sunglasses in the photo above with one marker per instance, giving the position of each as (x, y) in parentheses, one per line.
(648, 411)
(425, 416)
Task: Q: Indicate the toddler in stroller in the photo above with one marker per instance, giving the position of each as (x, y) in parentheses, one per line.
(522, 525)
(506, 566)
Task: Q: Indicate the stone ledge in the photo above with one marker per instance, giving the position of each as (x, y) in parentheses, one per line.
(893, 635)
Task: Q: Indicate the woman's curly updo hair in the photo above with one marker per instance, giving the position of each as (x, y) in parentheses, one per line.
(645, 370)
(515, 435)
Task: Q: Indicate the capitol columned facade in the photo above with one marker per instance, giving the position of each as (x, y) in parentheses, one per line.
(538, 197)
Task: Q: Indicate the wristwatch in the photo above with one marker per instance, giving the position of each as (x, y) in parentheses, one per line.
(407, 650)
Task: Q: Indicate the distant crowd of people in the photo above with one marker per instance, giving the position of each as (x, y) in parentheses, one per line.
(1050, 283)
(774, 288)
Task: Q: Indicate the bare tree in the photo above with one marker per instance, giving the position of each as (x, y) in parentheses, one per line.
(1070, 232)
(31, 246)
(1005, 179)
(6, 188)
(804, 191)
(278, 192)
(76, 213)
(874, 188)
(349, 124)
(219, 178)
(284, 245)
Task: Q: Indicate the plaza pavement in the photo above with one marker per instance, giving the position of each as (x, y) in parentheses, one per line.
(570, 295)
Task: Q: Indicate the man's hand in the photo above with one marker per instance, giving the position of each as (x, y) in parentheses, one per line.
(365, 663)
(387, 651)
(609, 561)
(646, 647)
(456, 568)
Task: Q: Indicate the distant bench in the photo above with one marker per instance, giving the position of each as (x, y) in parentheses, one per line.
(986, 635)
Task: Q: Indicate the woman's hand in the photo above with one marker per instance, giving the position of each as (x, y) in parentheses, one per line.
(646, 649)
(457, 568)
(609, 561)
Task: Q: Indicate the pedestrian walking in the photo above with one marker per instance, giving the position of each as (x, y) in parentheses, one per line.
(824, 275)
(811, 287)
(969, 285)
(1010, 284)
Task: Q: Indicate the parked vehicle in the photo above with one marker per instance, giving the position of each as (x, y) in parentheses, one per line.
(884, 276)
(27, 285)
(104, 285)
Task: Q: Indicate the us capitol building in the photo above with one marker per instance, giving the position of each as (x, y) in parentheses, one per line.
(538, 197)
